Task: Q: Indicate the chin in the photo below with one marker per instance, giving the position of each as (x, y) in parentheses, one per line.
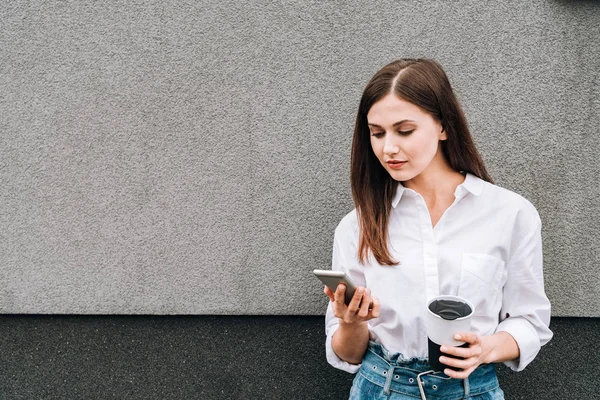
(400, 176)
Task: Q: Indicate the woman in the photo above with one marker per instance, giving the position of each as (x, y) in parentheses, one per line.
(428, 222)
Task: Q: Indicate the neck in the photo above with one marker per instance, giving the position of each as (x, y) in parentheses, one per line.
(436, 183)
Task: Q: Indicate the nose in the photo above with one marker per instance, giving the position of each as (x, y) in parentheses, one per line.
(390, 146)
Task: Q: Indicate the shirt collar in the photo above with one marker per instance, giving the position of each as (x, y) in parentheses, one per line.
(472, 184)
(398, 195)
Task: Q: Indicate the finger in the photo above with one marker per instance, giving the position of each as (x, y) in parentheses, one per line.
(355, 302)
(459, 374)
(365, 303)
(464, 352)
(338, 296)
(329, 293)
(457, 362)
(468, 337)
(376, 308)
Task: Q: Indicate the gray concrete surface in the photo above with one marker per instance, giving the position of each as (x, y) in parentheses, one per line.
(184, 157)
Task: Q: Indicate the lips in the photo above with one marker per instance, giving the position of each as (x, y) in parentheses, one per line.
(395, 164)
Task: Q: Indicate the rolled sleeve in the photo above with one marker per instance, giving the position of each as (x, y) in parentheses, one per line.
(525, 312)
(527, 339)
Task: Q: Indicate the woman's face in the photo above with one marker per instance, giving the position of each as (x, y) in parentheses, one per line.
(405, 138)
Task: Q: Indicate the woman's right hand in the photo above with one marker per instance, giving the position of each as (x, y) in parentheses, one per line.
(358, 310)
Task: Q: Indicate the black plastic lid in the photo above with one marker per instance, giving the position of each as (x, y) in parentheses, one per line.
(450, 309)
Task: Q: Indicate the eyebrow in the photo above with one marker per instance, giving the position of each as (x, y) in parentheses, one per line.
(395, 123)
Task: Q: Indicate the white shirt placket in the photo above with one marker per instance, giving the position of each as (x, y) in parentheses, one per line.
(430, 253)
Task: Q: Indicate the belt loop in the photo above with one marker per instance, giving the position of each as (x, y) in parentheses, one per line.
(388, 380)
(466, 385)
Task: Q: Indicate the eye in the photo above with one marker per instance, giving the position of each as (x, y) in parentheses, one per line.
(406, 133)
(377, 134)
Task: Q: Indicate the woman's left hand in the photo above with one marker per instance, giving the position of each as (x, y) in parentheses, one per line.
(473, 356)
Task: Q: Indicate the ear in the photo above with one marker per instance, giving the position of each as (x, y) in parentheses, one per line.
(443, 135)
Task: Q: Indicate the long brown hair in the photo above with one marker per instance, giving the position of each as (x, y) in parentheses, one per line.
(423, 83)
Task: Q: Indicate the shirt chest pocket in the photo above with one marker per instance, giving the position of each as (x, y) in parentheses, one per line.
(480, 280)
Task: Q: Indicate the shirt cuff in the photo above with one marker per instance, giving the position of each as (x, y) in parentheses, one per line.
(526, 337)
(334, 360)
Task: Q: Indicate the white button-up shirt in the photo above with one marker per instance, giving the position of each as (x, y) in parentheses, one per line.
(486, 248)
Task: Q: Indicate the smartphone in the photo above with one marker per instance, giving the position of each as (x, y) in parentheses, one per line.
(332, 279)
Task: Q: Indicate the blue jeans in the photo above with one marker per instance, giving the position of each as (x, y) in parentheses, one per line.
(389, 376)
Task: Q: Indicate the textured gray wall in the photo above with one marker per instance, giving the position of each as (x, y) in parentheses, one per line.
(192, 157)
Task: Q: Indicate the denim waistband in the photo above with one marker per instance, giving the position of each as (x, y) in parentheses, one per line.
(397, 374)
